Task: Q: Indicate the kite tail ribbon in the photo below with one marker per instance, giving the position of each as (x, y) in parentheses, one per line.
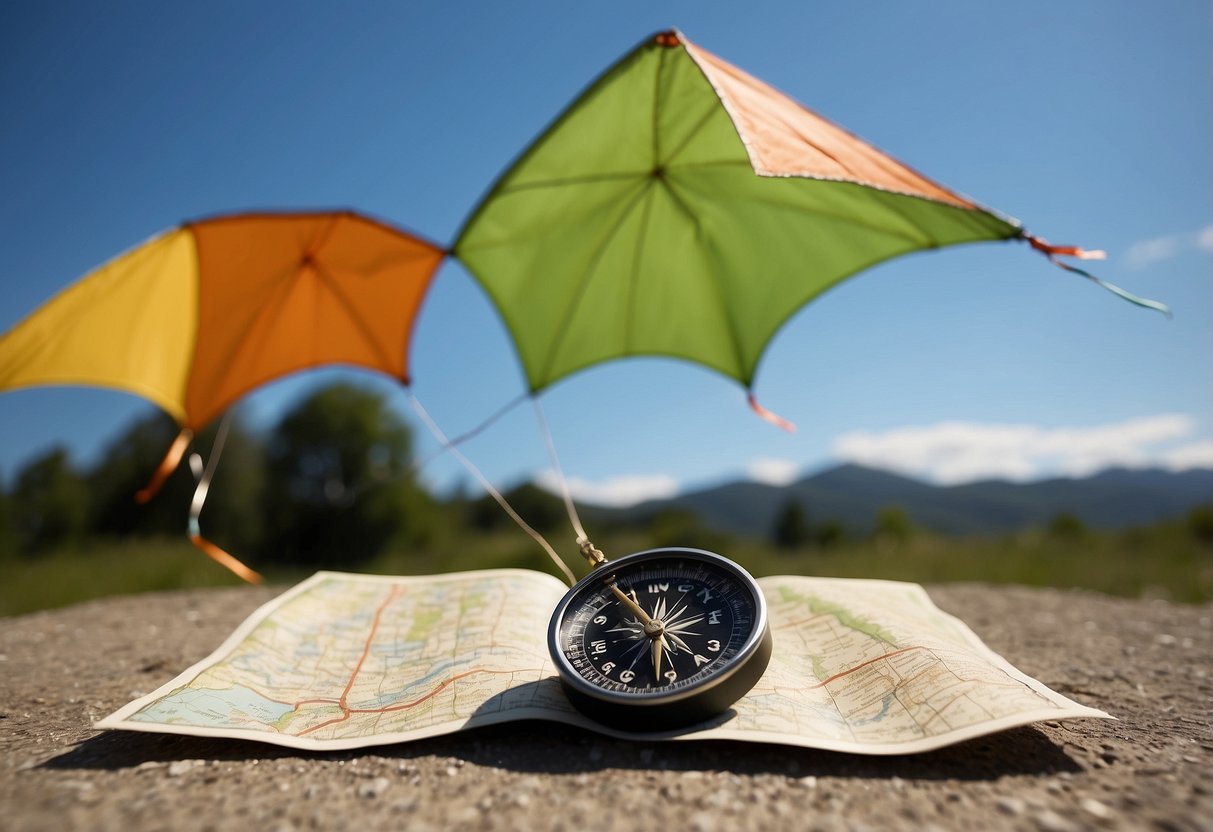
(195, 531)
(1053, 252)
(768, 416)
(167, 466)
(221, 557)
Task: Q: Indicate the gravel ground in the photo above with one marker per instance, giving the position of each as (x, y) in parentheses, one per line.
(1150, 663)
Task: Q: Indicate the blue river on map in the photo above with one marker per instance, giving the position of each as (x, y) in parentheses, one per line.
(214, 708)
(437, 674)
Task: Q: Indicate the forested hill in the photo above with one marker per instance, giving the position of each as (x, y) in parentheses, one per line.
(853, 495)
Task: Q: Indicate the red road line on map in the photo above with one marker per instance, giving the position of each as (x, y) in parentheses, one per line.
(406, 705)
(341, 718)
(366, 650)
(839, 675)
(343, 703)
(788, 624)
(347, 711)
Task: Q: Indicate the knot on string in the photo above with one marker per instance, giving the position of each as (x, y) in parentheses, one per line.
(590, 552)
(1051, 251)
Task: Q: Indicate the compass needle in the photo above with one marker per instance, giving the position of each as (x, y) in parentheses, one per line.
(677, 643)
(680, 626)
(631, 603)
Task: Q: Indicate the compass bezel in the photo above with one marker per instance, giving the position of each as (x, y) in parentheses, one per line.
(657, 709)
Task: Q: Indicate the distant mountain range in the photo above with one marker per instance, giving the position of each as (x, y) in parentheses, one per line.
(852, 495)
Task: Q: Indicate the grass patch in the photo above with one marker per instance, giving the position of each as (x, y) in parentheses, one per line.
(1161, 562)
(56, 579)
(1158, 563)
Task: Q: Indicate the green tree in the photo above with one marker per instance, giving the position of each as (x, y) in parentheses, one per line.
(1200, 523)
(791, 530)
(125, 467)
(830, 534)
(338, 487)
(50, 501)
(893, 523)
(1067, 526)
(683, 527)
(8, 532)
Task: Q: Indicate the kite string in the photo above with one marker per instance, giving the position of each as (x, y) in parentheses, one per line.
(589, 551)
(204, 482)
(467, 435)
(571, 509)
(488, 486)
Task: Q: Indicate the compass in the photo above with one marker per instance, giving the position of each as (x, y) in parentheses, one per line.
(660, 639)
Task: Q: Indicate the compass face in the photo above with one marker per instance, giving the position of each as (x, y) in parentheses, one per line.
(660, 638)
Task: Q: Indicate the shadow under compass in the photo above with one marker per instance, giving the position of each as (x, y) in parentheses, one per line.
(541, 746)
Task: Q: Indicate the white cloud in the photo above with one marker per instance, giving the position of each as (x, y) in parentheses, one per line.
(773, 471)
(1192, 455)
(1159, 249)
(955, 452)
(1148, 252)
(949, 453)
(614, 491)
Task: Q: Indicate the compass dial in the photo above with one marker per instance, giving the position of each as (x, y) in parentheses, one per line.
(661, 638)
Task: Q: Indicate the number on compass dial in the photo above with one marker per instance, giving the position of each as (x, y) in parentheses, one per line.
(679, 636)
(704, 620)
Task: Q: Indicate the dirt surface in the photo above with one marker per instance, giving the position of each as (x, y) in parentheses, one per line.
(1150, 663)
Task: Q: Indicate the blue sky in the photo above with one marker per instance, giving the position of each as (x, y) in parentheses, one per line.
(1088, 121)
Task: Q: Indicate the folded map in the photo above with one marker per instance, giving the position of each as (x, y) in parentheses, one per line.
(344, 661)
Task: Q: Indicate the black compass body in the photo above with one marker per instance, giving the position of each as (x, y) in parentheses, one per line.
(660, 639)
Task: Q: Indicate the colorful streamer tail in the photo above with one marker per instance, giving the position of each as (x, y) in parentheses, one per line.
(769, 416)
(172, 458)
(225, 560)
(1053, 252)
